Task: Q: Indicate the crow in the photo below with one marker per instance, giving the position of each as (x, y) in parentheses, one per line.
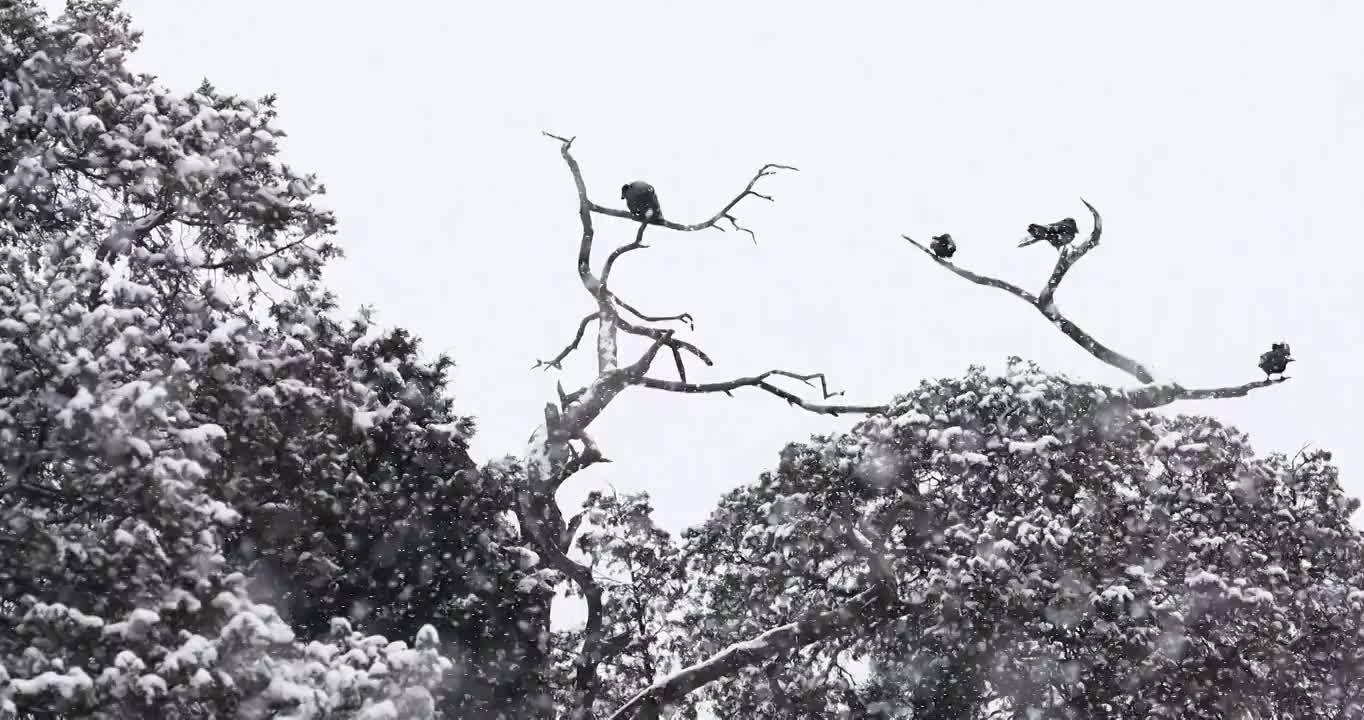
(1059, 234)
(639, 196)
(943, 246)
(1275, 362)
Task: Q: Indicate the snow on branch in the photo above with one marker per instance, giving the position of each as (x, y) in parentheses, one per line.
(1068, 256)
(1155, 394)
(588, 402)
(869, 605)
(552, 456)
(1159, 395)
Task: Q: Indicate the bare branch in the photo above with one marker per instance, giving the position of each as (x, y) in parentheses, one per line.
(681, 368)
(761, 382)
(1154, 396)
(580, 461)
(584, 213)
(1067, 257)
(641, 365)
(684, 317)
(1104, 353)
(725, 213)
(557, 362)
(656, 333)
(567, 398)
(608, 349)
(985, 280)
(638, 244)
(1049, 310)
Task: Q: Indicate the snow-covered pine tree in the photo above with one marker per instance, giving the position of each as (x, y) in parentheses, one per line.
(171, 452)
(1056, 551)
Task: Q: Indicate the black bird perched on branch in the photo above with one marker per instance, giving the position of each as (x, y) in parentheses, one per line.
(1059, 234)
(1275, 362)
(640, 198)
(943, 246)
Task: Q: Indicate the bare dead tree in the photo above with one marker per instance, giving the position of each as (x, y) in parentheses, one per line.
(1153, 393)
(561, 446)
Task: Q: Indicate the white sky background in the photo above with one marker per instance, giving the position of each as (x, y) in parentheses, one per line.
(1222, 141)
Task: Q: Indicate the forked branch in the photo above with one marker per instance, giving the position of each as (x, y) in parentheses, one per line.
(552, 457)
(1068, 256)
(726, 213)
(1044, 302)
(610, 322)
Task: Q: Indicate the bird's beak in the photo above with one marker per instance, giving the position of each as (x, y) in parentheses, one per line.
(1028, 241)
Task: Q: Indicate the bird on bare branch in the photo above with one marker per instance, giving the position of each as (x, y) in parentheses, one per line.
(1275, 362)
(1059, 234)
(642, 201)
(943, 246)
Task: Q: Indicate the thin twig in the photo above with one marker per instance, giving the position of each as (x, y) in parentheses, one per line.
(584, 214)
(638, 244)
(683, 317)
(724, 214)
(557, 362)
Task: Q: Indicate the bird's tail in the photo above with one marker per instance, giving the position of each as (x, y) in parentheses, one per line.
(1035, 234)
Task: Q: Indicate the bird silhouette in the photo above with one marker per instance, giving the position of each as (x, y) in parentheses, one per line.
(1275, 362)
(943, 246)
(1059, 233)
(642, 201)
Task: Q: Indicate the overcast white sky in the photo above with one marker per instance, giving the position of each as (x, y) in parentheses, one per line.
(1222, 141)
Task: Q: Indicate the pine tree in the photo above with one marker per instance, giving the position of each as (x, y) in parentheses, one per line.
(158, 430)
